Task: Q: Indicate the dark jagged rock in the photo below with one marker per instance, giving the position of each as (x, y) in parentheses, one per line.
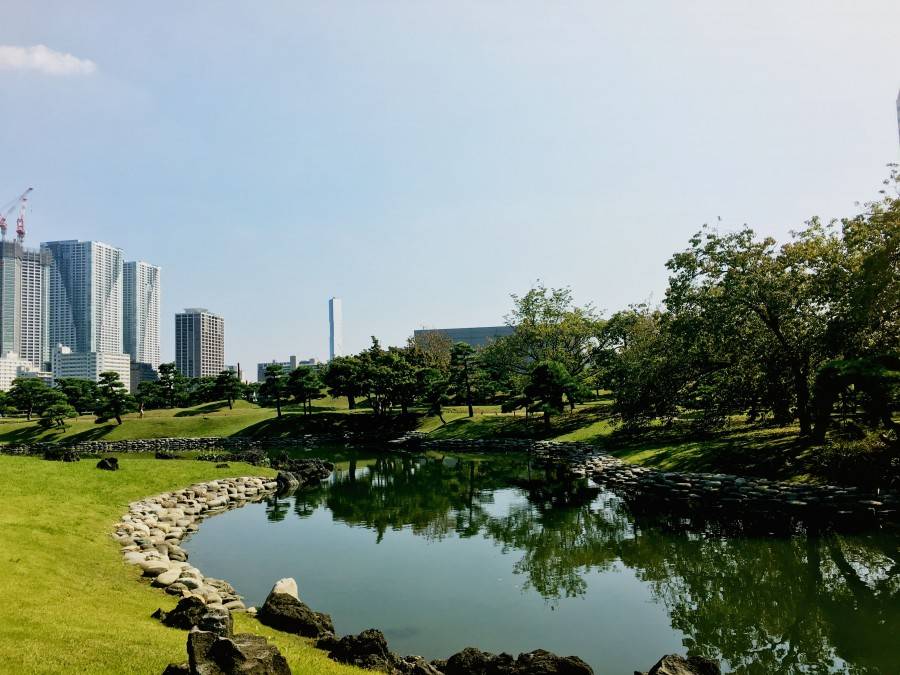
(217, 620)
(415, 665)
(368, 650)
(62, 454)
(223, 465)
(285, 612)
(165, 454)
(471, 661)
(287, 481)
(108, 464)
(242, 654)
(295, 473)
(189, 612)
(542, 662)
(673, 664)
(177, 669)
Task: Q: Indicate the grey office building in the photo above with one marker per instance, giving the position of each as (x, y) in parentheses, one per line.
(478, 336)
(85, 296)
(23, 302)
(199, 343)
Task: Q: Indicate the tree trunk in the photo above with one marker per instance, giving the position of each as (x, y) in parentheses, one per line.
(547, 419)
(278, 407)
(230, 403)
(802, 389)
(351, 401)
(118, 419)
(441, 417)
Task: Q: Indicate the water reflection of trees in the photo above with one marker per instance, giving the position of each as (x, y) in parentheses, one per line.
(810, 603)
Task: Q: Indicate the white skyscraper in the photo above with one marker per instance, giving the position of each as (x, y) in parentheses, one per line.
(85, 296)
(199, 343)
(336, 328)
(141, 312)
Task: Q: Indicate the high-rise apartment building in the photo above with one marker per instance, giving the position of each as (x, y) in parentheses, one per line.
(199, 343)
(23, 302)
(335, 328)
(85, 296)
(141, 312)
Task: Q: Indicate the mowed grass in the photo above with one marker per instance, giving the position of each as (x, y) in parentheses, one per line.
(211, 419)
(70, 605)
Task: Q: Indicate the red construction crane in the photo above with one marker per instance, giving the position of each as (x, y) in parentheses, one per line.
(7, 209)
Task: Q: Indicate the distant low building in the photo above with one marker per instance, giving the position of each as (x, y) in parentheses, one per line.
(287, 366)
(142, 372)
(89, 365)
(479, 336)
(12, 366)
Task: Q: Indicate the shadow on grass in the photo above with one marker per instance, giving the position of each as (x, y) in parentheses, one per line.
(215, 406)
(296, 424)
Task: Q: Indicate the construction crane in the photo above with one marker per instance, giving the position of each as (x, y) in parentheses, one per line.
(7, 209)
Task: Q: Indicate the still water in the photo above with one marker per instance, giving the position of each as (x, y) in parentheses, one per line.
(444, 552)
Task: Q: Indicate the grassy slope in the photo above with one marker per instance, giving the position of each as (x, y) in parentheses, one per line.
(70, 603)
(741, 448)
(213, 419)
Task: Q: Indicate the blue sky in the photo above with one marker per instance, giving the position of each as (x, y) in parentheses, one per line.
(425, 160)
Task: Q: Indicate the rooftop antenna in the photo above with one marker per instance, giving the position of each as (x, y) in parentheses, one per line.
(7, 210)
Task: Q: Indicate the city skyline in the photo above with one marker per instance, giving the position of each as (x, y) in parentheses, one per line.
(516, 146)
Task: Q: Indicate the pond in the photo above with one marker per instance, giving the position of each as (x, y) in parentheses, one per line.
(444, 552)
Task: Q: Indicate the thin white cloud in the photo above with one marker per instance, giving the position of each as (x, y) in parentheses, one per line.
(42, 59)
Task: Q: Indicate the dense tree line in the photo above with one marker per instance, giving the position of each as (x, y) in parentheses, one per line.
(778, 332)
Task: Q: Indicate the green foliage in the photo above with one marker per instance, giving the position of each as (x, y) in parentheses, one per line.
(342, 377)
(82, 395)
(114, 398)
(228, 387)
(273, 390)
(305, 385)
(550, 386)
(28, 395)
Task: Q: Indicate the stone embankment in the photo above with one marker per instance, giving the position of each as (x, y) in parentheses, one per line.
(152, 530)
(167, 445)
(716, 493)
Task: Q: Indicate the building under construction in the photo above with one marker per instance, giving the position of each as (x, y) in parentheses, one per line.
(23, 292)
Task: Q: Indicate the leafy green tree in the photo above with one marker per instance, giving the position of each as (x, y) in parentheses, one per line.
(274, 389)
(151, 395)
(462, 372)
(305, 384)
(229, 387)
(746, 294)
(27, 394)
(80, 394)
(435, 387)
(169, 381)
(548, 388)
(56, 410)
(114, 398)
(342, 377)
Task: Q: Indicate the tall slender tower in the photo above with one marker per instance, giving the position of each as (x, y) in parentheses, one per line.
(141, 312)
(335, 328)
(85, 295)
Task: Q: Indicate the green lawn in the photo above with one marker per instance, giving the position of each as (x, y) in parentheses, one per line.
(70, 604)
(212, 419)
